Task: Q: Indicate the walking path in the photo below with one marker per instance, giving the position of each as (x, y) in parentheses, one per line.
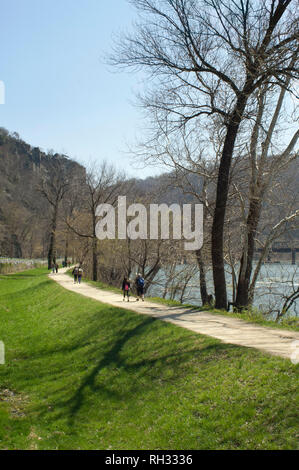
(227, 329)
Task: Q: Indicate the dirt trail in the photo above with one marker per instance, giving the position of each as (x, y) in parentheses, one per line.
(229, 330)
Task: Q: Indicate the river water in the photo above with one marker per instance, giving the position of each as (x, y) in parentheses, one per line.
(276, 281)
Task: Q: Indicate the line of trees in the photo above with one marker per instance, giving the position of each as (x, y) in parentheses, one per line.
(164, 264)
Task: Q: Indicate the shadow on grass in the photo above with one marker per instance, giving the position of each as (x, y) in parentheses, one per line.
(32, 289)
(15, 277)
(110, 358)
(23, 275)
(173, 352)
(153, 367)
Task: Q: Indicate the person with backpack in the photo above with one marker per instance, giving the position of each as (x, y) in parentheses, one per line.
(139, 287)
(75, 274)
(80, 274)
(126, 285)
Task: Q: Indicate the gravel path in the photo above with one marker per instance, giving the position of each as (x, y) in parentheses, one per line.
(229, 330)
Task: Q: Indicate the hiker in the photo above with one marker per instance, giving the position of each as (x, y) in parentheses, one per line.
(56, 267)
(75, 274)
(139, 282)
(126, 285)
(80, 274)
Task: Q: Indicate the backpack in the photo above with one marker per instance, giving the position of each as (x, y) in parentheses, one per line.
(126, 286)
(80, 271)
(140, 282)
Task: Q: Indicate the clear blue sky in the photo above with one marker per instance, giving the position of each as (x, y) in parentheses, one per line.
(60, 94)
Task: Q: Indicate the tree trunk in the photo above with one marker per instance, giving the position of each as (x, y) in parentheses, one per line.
(129, 267)
(202, 278)
(151, 276)
(51, 251)
(94, 259)
(242, 298)
(66, 249)
(221, 200)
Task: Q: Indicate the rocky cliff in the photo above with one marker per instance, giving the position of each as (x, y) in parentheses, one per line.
(22, 209)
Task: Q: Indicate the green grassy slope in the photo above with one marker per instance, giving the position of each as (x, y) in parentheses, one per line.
(84, 375)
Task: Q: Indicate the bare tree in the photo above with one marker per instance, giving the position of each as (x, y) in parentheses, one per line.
(103, 185)
(54, 187)
(70, 205)
(195, 178)
(264, 169)
(289, 302)
(208, 57)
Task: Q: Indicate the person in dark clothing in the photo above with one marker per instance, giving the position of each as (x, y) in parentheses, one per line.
(139, 282)
(75, 274)
(126, 285)
(80, 274)
(56, 267)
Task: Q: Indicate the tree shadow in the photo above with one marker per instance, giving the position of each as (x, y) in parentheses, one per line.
(110, 358)
(17, 277)
(172, 312)
(26, 291)
(67, 407)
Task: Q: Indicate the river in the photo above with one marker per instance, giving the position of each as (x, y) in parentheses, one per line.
(275, 281)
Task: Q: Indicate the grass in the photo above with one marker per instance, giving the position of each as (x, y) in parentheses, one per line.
(80, 374)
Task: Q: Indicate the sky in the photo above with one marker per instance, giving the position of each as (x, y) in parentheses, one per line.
(60, 93)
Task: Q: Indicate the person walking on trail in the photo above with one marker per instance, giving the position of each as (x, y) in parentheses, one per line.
(80, 274)
(75, 274)
(139, 282)
(126, 285)
(56, 267)
(53, 268)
